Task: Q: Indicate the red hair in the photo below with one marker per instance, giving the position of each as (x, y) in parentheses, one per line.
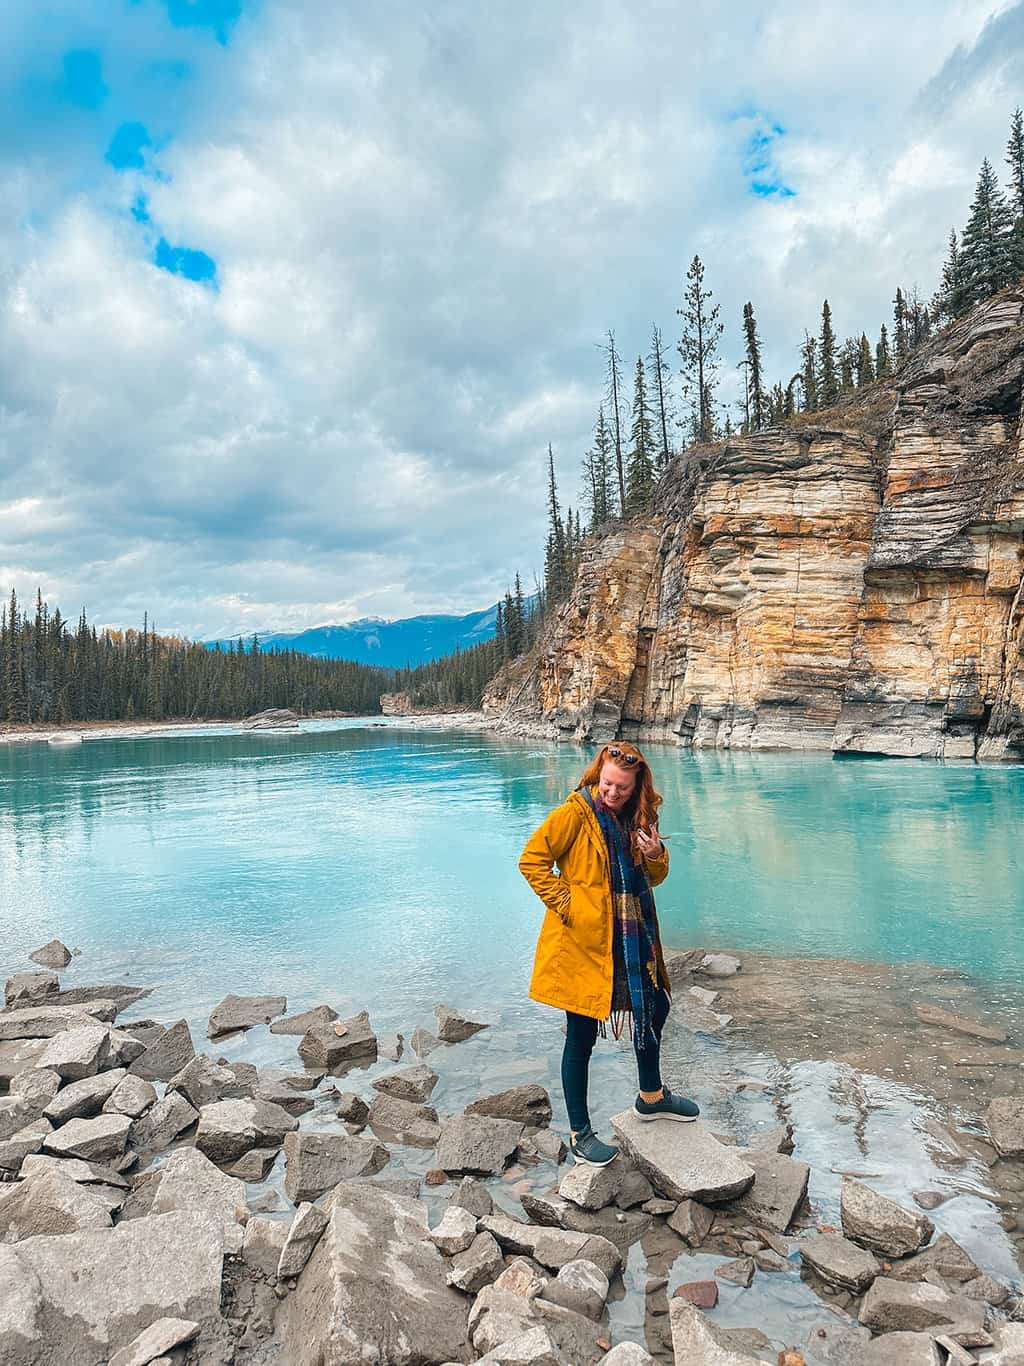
(641, 810)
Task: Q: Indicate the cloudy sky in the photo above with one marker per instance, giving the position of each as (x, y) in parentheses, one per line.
(293, 295)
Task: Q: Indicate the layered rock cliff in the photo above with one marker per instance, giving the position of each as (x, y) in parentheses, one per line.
(855, 583)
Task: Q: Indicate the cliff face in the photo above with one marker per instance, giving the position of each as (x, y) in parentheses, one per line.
(856, 585)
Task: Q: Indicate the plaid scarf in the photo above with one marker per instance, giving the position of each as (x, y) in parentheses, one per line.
(633, 906)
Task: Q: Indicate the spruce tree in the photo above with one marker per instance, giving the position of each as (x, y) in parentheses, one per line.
(613, 395)
(809, 373)
(662, 381)
(698, 349)
(901, 342)
(755, 378)
(828, 379)
(555, 564)
(598, 478)
(952, 299)
(848, 355)
(865, 365)
(986, 247)
(1015, 161)
(640, 469)
(883, 359)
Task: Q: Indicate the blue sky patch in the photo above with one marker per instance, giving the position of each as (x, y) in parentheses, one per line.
(140, 209)
(194, 265)
(218, 15)
(763, 176)
(125, 150)
(83, 79)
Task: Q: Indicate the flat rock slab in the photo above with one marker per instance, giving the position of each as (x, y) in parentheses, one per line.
(454, 1027)
(316, 1162)
(959, 1024)
(779, 1189)
(945, 1256)
(1005, 1118)
(322, 1047)
(98, 1139)
(45, 1021)
(229, 1128)
(683, 1161)
(304, 1233)
(244, 1012)
(477, 1143)
(306, 1020)
(202, 1082)
(155, 1341)
(902, 1349)
(132, 1096)
(167, 1055)
(695, 1339)
(408, 1083)
(552, 1247)
(48, 1203)
(374, 1289)
(163, 1122)
(916, 1306)
(881, 1224)
(190, 1181)
(839, 1262)
(30, 988)
(523, 1104)
(87, 1293)
(93, 1173)
(83, 1098)
(404, 1121)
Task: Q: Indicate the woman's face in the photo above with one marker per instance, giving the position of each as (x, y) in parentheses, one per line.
(616, 785)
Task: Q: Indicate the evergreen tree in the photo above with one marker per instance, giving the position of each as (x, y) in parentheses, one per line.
(848, 355)
(951, 299)
(883, 360)
(919, 321)
(828, 379)
(556, 568)
(865, 365)
(899, 330)
(640, 471)
(1015, 161)
(662, 381)
(499, 631)
(613, 393)
(986, 247)
(755, 379)
(809, 373)
(698, 348)
(598, 475)
(776, 406)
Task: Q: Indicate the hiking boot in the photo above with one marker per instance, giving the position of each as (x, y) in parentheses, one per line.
(669, 1107)
(587, 1148)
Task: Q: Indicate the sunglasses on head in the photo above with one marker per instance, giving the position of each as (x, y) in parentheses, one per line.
(614, 752)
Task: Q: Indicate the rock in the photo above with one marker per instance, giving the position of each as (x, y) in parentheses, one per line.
(692, 1221)
(47, 1021)
(959, 1024)
(290, 1100)
(901, 1349)
(987, 1288)
(48, 1203)
(85, 1173)
(391, 1046)
(945, 1256)
(254, 1165)
(90, 1291)
(35, 1088)
(308, 1019)
(478, 1266)
(683, 1161)
(473, 1195)
(535, 1347)
(523, 1104)
(521, 1277)
(628, 1354)
(303, 1235)
(1009, 1345)
(30, 988)
(301, 1081)
(229, 1128)
(316, 1162)
(719, 965)
(839, 1262)
(160, 1126)
(779, 1189)
(263, 1244)
(456, 1231)
(190, 1181)
(122, 1049)
(405, 1121)
(1005, 1120)
(547, 1145)
(243, 1012)
(453, 1027)
(894, 1306)
(680, 965)
(122, 996)
(203, 1082)
(409, 1083)
(52, 955)
(374, 1288)
(592, 1187)
(352, 1108)
(696, 1340)
(929, 1200)
(634, 1189)
(704, 1294)
(156, 1340)
(132, 1096)
(76, 1053)
(321, 1046)
(580, 1286)
(776, 1140)
(552, 1247)
(166, 1057)
(477, 1143)
(16, 1150)
(97, 1139)
(837, 1343)
(423, 1042)
(499, 1317)
(17, 1057)
(83, 1098)
(657, 1206)
(879, 1223)
(146, 1031)
(738, 1272)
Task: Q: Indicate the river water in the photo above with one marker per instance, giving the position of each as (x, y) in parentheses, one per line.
(374, 866)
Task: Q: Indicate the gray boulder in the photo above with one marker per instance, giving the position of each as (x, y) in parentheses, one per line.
(916, 1306)
(552, 1247)
(695, 1339)
(160, 1126)
(155, 1342)
(322, 1047)
(316, 1162)
(244, 1012)
(523, 1104)
(308, 1019)
(779, 1189)
(190, 1181)
(304, 1233)
(877, 1222)
(280, 1093)
(628, 1354)
(719, 965)
(17, 1057)
(580, 1286)
(83, 1098)
(423, 1042)
(683, 1161)
(1005, 1119)
(408, 1083)
(98, 1139)
(352, 1108)
(839, 1262)
(30, 988)
(374, 1289)
(229, 1128)
(263, 1244)
(944, 1256)
(535, 1347)
(902, 1349)
(203, 1082)
(52, 955)
(48, 1203)
(167, 1055)
(454, 1027)
(36, 1087)
(476, 1143)
(46, 1021)
(77, 1053)
(478, 1266)
(132, 1096)
(88, 1294)
(473, 1195)
(740, 1272)
(16, 1150)
(456, 1232)
(85, 1173)
(255, 1165)
(593, 1187)
(404, 1121)
(122, 1049)
(692, 1221)
(122, 996)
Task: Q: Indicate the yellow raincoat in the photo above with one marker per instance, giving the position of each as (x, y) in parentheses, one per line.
(572, 968)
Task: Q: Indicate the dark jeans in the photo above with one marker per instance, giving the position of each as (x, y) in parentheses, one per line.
(580, 1036)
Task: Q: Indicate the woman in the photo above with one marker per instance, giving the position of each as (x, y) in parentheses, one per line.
(599, 953)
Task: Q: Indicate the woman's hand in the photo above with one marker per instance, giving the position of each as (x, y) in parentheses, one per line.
(649, 842)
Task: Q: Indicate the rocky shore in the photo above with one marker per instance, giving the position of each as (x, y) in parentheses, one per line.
(159, 1204)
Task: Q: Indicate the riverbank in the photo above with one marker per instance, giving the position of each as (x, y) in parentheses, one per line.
(20, 732)
(836, 1091)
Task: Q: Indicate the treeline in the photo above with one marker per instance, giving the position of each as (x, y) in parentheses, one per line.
(53, 673)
